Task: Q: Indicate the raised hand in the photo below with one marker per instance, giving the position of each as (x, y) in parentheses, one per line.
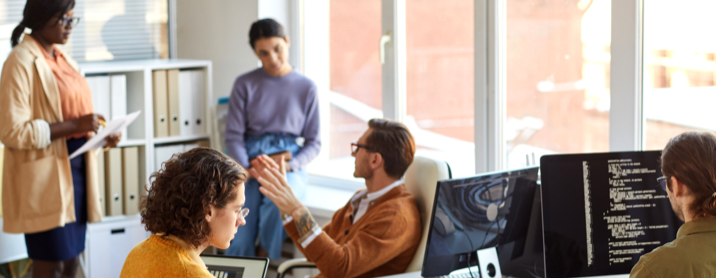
(272, 177)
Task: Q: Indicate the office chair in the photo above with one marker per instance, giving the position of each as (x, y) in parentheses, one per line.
(420, 179)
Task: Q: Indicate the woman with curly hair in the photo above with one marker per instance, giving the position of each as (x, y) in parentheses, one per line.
(194, 201)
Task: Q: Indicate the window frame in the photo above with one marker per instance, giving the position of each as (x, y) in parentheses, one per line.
(626, 121)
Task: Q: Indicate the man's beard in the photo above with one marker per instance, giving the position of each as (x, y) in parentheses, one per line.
(363, 171)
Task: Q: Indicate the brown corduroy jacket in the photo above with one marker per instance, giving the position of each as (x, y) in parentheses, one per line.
(382, 242)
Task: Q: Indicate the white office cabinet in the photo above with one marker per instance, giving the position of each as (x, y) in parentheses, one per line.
(123, 87)
(109, 243)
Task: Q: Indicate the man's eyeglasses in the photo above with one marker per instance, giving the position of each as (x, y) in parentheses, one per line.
(662, 182)
(356, 146)
(69, 21)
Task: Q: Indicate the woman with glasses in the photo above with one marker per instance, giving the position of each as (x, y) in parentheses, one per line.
(46, 114)
(195, 200)
(273, 110)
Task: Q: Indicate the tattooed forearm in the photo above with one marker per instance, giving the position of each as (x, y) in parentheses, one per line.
(305, 223)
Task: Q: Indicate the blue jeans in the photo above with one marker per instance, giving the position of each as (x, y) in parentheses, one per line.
(264, 219)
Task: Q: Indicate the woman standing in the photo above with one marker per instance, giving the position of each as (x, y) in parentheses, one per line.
(46, 113)
(273, 110)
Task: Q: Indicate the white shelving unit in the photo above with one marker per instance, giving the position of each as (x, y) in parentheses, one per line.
(140, 97)
(109, 241)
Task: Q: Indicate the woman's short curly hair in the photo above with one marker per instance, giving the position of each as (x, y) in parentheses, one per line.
(184, 189)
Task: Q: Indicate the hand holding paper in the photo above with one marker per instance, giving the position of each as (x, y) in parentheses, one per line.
(112, 128)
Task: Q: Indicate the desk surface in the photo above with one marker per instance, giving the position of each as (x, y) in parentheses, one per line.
(415, 274)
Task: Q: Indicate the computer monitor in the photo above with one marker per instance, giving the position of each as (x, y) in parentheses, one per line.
(499, 209)
(235, 267)
(602, 211)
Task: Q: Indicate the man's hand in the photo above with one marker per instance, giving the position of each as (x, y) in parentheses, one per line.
(272, 177)
(278, 158)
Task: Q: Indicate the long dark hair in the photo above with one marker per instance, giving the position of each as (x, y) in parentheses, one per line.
(37, 13)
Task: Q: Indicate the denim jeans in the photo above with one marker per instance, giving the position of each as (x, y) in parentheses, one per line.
(264, 219)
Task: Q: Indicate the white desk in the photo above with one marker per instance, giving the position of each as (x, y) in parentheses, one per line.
(415, 274)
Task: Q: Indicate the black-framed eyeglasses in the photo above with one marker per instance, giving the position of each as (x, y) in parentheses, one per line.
(355, 146)
(69, 21)
(662, 182)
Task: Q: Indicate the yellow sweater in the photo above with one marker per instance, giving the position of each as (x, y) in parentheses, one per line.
(161, 257)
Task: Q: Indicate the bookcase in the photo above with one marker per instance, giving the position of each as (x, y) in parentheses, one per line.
(123, 87)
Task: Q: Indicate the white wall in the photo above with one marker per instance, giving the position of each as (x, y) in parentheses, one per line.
(217, 30)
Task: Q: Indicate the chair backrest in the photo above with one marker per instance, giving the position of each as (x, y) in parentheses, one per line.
(421, 178)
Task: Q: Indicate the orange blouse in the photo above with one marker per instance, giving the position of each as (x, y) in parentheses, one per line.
(75, 94)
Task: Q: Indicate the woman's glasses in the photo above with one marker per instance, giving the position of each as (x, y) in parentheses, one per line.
(244, 212)
(69, 21)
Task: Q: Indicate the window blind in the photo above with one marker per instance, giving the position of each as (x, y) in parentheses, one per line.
(108, 29)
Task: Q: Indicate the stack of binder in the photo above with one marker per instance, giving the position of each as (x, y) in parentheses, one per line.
(109, 96)
(178, 102)
(119, 181)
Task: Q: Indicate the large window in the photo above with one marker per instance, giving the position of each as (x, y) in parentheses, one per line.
(557, 78)
(108, 29)
(440, 88)
(543, 87)
(354, 80)
(437, 70)
(679, 73)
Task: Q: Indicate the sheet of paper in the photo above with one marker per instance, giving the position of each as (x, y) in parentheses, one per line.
(114, 126)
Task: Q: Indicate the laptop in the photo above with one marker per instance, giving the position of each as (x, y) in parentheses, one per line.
(236, 267)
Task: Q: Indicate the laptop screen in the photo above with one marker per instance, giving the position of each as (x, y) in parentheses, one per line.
(500, 209)
(235, 267)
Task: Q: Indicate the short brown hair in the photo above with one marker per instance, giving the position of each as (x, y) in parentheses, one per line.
(691, 158)
(394, 142)
(184, 189)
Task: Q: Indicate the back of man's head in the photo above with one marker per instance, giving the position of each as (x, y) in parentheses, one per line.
(691, 158)
(395, 144)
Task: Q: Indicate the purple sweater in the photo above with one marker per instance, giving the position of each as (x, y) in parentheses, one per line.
(262, 103)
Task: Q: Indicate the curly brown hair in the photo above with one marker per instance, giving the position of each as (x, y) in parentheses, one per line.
(183, 191)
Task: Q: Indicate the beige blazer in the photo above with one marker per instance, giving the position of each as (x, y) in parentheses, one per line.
(37, 192)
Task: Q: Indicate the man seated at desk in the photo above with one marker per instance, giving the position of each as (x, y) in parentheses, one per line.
(377, 232)
(688, 163)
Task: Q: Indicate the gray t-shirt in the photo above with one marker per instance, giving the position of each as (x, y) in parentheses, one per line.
(262, 103)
